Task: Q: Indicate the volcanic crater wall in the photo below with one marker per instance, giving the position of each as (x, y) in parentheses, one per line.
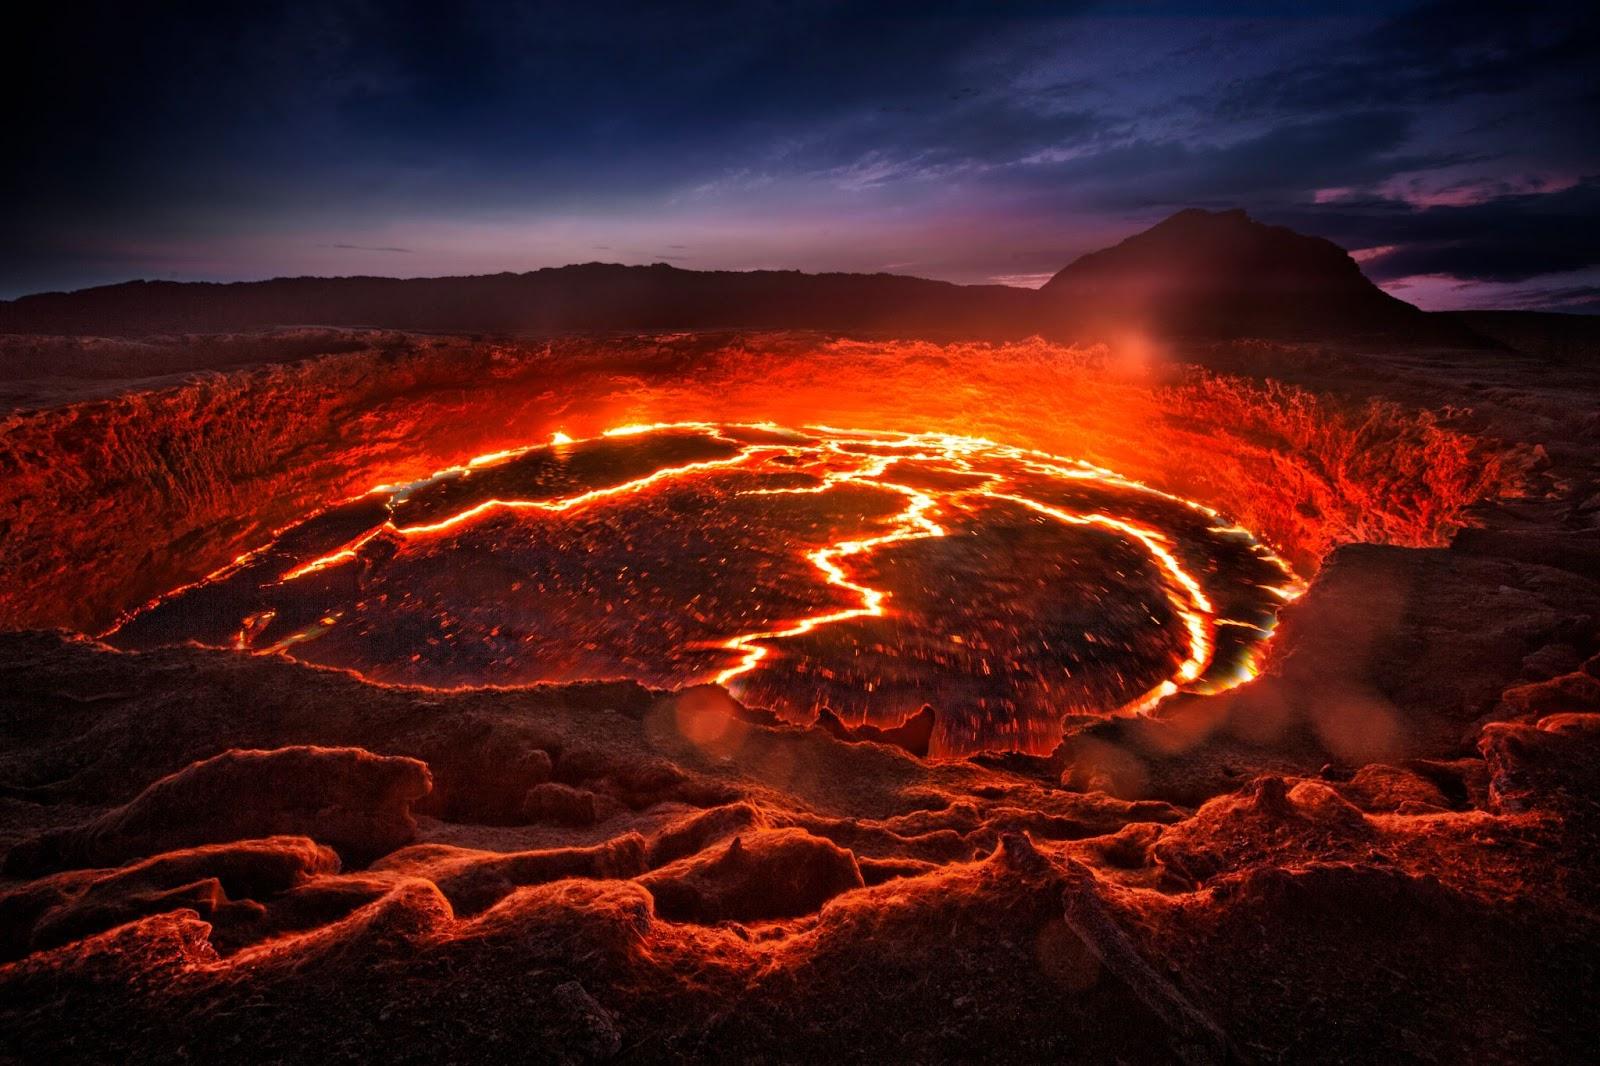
(105, 504)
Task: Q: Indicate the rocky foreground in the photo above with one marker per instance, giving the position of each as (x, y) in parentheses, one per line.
(217, 856)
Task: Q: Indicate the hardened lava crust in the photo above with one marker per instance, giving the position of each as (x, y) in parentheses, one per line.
(866, 573)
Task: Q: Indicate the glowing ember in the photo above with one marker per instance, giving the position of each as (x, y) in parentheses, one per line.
(867, 572)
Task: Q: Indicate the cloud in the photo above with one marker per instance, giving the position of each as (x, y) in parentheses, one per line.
(824, 133)
(1506, 238)
(1436, 52)
(1278, 165)
(1579, 299)
(1023, 281)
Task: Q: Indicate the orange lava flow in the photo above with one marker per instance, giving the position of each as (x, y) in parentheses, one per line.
(914, 523)
(569, 502)
(917, 520)
(1196, 615)
(344, 555)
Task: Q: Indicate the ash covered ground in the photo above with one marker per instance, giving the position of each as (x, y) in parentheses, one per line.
(1384, 845)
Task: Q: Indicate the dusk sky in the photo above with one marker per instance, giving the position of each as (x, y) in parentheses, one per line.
(1455, 152)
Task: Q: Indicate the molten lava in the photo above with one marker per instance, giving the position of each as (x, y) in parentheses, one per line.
(868, 572)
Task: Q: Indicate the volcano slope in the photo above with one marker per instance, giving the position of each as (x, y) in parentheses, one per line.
(1383, 845)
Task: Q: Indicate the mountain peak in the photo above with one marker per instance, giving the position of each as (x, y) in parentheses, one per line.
(1213, 272)
(1218, 249)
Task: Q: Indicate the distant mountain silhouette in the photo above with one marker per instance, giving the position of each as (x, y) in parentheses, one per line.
(1224, 274)
(1199, 273)
(586, 297)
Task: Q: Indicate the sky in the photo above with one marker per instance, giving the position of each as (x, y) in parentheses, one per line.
(1452, 148)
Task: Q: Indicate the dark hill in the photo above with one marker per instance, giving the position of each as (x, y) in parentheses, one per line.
(1221, 274)
(586, 297)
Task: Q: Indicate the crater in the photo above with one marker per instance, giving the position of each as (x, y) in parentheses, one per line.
(866, 572)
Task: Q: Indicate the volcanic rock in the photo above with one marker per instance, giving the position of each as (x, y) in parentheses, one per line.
(1575, 691)
(761, 875)
(1269, 822)
(1398, 653)
(1200, 1039)
(212, 880)
(558, 803)
(1377, 787)
(1369, 934)
(591, 1035)
(914, 734)
(475, 880)
(351, 799)
(702, 829)
(1572, 550)
(1550, 661)
(877, 871)
(1552, 765)
(483, 770)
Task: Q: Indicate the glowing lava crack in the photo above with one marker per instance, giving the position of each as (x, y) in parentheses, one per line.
(863, 571)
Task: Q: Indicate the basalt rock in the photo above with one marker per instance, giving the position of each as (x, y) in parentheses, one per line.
(1554, 765)
(560, 804)
(357, 802)
(222, 883)
(474, 880)
(760, 875)
(1388, 788)
(1270, 822)
(914, 734)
